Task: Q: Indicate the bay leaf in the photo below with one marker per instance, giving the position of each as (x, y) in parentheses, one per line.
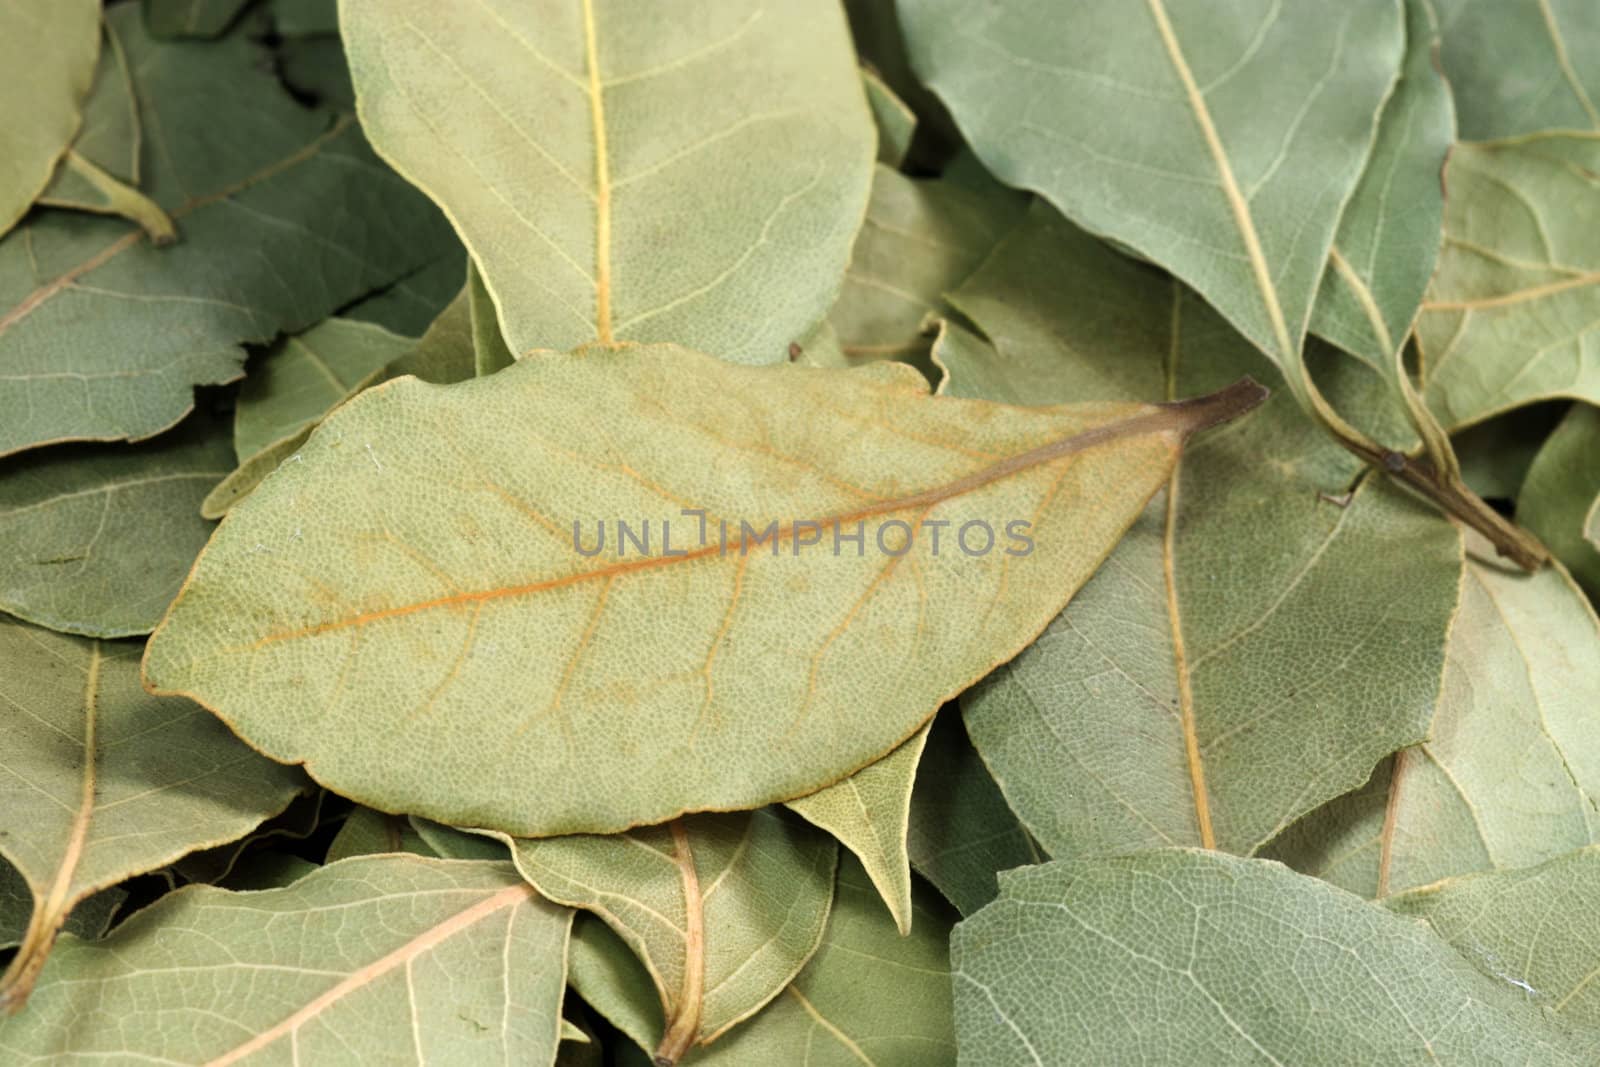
(216, 865)
(603, 970)
(191, 18)
(409, 306)
(368, 833)
(921, 238)
(404, 958)
(490, 351)
(869, 813)
(1560, 493)
(104, 781)
(298, 381)
(962, 832)
(736, 134)
(103, 335)
(48, 51)
(1214, 681)
(1521, 68)
(1526, 929)
(868, 995)
(304, 18)
(405, 608)
(1239, 134)
(875, 28)
(1188, 956)
(100, 171)
(723, 910)
(97, 538)
(1510, 773)
(1509, 315)
(89, 920)
(1496, 454)
(896, 122)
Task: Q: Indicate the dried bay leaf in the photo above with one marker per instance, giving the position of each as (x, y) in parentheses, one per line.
(409, 306)
(404, 608)
(631, 127)
(390, 958)
(298, 381)
(103, 781)
(96, 539)
(191, 18)
(962, 833)
(896, 122)
(869, 813)
(1509, 316)
(48, 50)
(1187, 956)
(723, 910)
(1218, 673)
(1561, 492)
(490, 351)
(1521, 67)
(868, 995)
(103, 335)
(367, 833)
(1510, 774)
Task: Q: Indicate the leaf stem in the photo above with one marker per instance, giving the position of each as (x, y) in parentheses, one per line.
(684, 1025)
(123, 199)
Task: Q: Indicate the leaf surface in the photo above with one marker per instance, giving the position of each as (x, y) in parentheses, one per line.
(869, 813)
(1239, 199)
(723, 910)
(406, 610)
(1561, 491)
(1186, 956)
(1214, 681)
(48, 50)
(1509, 317)
(1521, 67)
(399, 959)
(736, 134)
(101, 781)
(102, 335)
(896, 122)
(868, 996)
(97, 538)
(962, 832)
(298, 381)
(191, 18)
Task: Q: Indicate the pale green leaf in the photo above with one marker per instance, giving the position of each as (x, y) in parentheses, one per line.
(962, 832)
(283, 215)
(1561, 491)
(490, 352)
(921, 238)
(1510, 773)
(97, 538)
(604, 971)
(381, 959)
(1215, 680)
(367, 833)
(896, 122)
(1528, 929)
(1184, 956)
(191, 18)
(1521, 66)
(691, 172)
(101, 781)
(296, 382)
(406, 609)
(1510, 315)
(1220, 143)
(48, 50)
(868, 996)
(869, 812)
(723, 910)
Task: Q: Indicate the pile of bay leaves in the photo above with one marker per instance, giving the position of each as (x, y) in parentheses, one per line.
(750, 534)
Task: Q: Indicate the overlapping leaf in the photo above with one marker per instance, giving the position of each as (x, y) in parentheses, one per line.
(191, 18)
(96, 539)
(407, 610)
(1509, 317)
(1215, 679)
(1184, 956)
(1510, 774)
(1561, 493)
(688, 172)
(48, 50)
(389, 958)
(102, 335)
(1518, 68)
(100, 781)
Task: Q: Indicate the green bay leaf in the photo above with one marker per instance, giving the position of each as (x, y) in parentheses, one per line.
(1562, 491)
(403, 958)
(48, 50)
(1521, 67)
(693, 176)
(404, 608)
